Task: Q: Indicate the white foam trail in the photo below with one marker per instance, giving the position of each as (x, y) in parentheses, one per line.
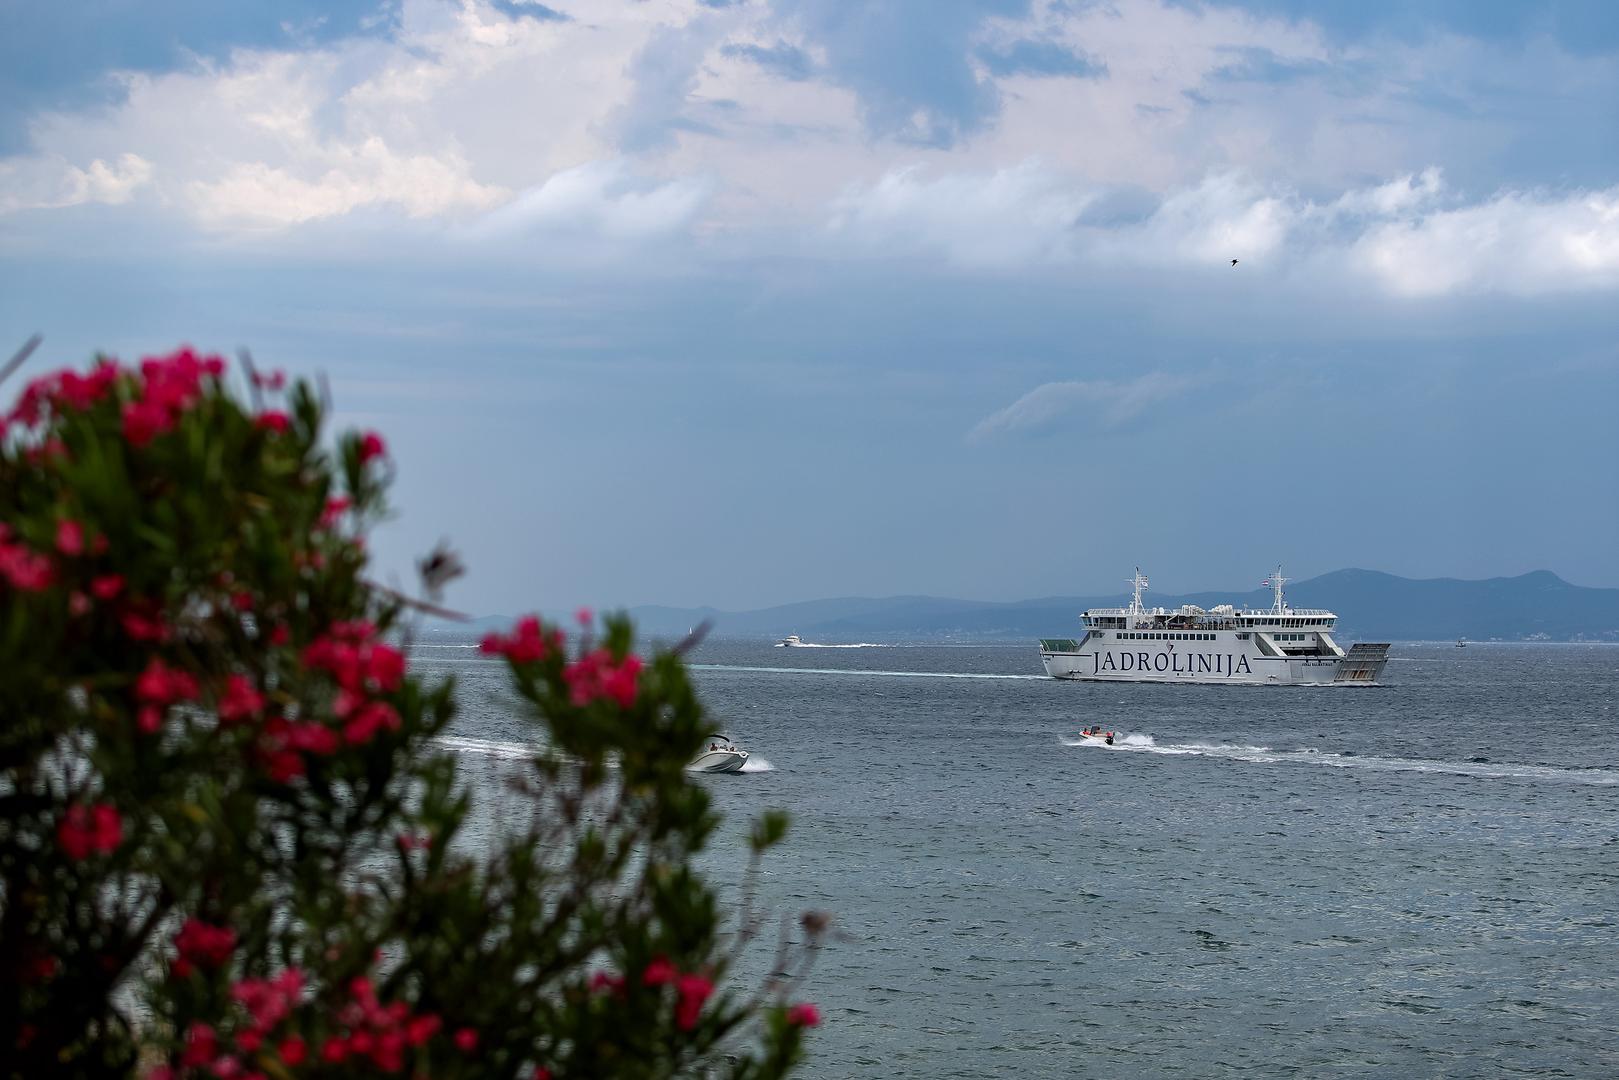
(817, 645)
(856, 671)
(508, 750)
(442, 645)
(1265, 755)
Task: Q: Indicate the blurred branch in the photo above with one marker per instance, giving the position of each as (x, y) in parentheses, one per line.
(21, 356)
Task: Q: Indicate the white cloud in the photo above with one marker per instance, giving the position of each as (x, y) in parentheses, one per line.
(346, 178)
(46, 184)
(1518, 243)
(1011, 216)
(464, 112)
(603, 197)
(1111, 403)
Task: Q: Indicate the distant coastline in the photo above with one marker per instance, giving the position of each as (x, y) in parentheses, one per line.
(1372, 605)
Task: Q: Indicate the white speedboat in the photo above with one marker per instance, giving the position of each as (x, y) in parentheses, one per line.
(788, 642)
(718, 755)
(1095, 734)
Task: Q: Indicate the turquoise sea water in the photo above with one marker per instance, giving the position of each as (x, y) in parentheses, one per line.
(1417, 879)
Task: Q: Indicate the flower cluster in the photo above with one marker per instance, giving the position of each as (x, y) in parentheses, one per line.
(169, 386)
(598, 675)
(157, 688)
(240, 700)
(90, 830)
(60, 392)
(381, 1033)
(691, 990)
(527, 645)
(199, 944)
(21, 567)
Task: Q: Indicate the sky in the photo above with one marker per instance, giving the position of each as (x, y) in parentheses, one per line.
(742, 303)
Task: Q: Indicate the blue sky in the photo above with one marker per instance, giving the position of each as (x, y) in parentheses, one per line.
(744, 303)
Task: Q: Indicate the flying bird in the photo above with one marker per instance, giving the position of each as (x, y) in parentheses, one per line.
(1233, 262)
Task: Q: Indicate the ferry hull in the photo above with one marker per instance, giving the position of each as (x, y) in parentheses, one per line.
(1360, 667)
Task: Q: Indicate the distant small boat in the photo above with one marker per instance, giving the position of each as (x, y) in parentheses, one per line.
(1461, 643)
(1095, 734)
(789, 641)
(719, 756)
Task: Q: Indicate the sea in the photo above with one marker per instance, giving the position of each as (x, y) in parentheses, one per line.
(1416, 879)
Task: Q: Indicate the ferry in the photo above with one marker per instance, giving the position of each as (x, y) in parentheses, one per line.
(1279, 646)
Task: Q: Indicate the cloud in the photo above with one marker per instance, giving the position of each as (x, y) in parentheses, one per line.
(781, 59)
(908, 62)
(52, 184)
(1411, 236)
(1110, 404)
(1520, 243)
(1011, 216)
(1043, 58)
(343, 179)
(603, 197)
(664, 74)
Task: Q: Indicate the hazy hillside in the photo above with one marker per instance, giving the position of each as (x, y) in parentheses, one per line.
(1371, 605)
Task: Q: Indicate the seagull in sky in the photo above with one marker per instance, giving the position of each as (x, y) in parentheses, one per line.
(1233, 262)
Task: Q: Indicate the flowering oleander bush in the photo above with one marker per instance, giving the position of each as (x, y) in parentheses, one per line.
(230, 845)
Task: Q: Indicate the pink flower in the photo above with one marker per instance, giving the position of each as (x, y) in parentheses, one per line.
(144, 622)
(283, 766)
(595, 676)
(293, 1051)
(803, 1015)
(272, 380)
(334, 1049)
(145, 421)
(584, 616)
(27, 571)
(202, 1046)
(335, 508)
(106, 586)
(203, 944)
(604, 981)
(693, 990)
(384, 668)
(466, 1040)
(369, 719)
(70, 538)
(660, 972)
(90, 830)
(371, 446)
(280, 635)
(240, 701)
(313, 737)
(274, 420)
(421, 1028)
(162, 685)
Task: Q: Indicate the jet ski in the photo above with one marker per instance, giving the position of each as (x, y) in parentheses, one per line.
(1095, 734)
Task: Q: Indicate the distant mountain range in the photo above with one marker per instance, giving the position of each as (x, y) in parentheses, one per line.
(1371, 606)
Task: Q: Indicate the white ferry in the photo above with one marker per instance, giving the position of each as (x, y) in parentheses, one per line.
(1283, 645)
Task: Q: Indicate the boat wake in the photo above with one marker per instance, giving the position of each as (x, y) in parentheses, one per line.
(488, 747)
(1265, 755)
(511, 751)
(818, 645)
(857, 671)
